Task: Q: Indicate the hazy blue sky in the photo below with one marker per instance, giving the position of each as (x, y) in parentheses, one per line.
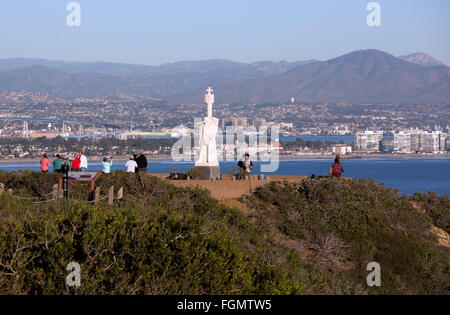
(155, 32)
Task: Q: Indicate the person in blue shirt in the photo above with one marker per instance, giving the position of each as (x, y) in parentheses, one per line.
(107, 162)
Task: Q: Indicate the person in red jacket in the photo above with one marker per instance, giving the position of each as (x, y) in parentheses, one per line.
(76, 163)
(45, 163)
(336, 169)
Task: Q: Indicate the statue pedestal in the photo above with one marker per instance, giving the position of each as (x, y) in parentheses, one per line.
(209, 172)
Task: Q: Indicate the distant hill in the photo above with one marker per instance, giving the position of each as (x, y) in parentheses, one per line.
(195, 66)
(73, 79)
(366, 76)
(67, 85)
(422, 59)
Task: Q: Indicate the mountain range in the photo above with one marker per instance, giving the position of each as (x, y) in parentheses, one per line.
(365, 76)
(81, 79)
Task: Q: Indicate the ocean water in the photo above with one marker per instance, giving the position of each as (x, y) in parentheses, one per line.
(409, 175)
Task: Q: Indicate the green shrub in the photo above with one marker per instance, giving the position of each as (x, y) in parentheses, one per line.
(159, 240)
(438, 208)
(356, 222)
(315, 236)
(194, 173)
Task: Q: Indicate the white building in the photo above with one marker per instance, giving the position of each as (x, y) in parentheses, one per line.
(368, 141)
(402, 142)
(433, 142)
(420, 141)
(286, 126)
(341, 149)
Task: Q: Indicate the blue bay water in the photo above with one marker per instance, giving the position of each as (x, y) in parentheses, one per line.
(409, 175)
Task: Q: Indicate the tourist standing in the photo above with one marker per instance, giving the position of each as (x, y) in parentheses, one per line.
(57, 164)
(141, 161)
(45, 163)
(135, 159)
(131, 165)
(84, 162)
(76, 163)
(336, 169)
(107, 163)
(245, 166)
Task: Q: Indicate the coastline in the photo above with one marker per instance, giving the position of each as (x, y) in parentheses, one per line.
(166, 157)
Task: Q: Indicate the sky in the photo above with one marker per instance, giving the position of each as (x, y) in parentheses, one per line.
(155, 32)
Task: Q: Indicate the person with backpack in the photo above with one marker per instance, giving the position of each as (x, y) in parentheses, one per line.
(336, 169)
(245, 166)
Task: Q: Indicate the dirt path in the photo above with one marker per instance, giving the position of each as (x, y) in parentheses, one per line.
(231, 189)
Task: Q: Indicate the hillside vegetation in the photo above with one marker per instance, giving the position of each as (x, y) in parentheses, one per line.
(314, 237)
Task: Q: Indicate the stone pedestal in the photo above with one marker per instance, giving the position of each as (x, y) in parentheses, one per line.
(209, 172)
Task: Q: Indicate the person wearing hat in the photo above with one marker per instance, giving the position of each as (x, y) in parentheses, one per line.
(107, 162)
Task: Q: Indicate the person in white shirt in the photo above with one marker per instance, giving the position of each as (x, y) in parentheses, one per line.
(131, 165)
(84, 162)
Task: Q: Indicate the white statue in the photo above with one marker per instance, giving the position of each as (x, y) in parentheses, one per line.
(208, 132)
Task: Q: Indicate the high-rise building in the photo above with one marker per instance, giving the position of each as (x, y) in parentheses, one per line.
(416, 141)
(368, 141)
(236, 122)
(243, 122)
(433, 142)
(402, 142)
(420, 141)
(259, 122)
(443, 142)
(428, 143)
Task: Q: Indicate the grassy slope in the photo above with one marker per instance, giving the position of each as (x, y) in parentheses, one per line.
(312, 237)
